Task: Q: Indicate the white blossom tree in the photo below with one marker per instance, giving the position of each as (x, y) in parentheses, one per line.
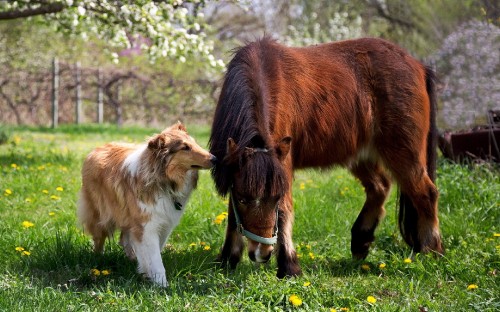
(340, 26)
(170, 28)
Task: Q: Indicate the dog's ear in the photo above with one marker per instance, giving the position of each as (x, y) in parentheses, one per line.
(283, 147)
(177, 126)
(157, 142)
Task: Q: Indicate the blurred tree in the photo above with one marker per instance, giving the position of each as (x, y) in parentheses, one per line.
(167, 28)
(420, 26)
(469, 66)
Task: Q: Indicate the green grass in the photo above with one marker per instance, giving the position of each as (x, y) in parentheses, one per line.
(36, 163)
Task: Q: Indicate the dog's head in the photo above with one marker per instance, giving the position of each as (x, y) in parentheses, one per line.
(179, 152)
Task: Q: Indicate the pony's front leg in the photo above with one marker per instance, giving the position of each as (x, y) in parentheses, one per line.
(233, 246)
(288, 264)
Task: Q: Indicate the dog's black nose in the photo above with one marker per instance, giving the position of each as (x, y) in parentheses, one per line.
(213, 159)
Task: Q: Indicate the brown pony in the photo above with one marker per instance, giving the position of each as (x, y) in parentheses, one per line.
(364, 104)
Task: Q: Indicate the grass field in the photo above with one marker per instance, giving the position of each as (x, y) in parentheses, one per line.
(46, 263)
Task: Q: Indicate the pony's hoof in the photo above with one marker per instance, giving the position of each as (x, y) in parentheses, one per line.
(360, 252)
(289, 272)
(225, 262)
(360, 244)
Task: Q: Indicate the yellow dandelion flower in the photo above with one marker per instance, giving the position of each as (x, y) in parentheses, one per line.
(40, 168)
(221, 217)
(496, 234)
(28, 200)
(54, 197)
(95, 272)
(295, 300)
(472, 287)
(311, 255)
(59, 189)
(407, 260)
(333, 310)
(206, 247)
(382, 266)
(19, 248)
(8, 192)
(299, 255)
(52, 213)
(302, 186)
(371, 299)
(308, 246)
(306, 284)
(365, 267)
(105, 272)
(25, 253)
(203, 243)
(17, 140)
(27, 224)
(45, 191)
(13, 166)
(193, 245)
(344, 309)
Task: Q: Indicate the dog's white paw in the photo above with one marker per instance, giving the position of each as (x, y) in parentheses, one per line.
(159, 279)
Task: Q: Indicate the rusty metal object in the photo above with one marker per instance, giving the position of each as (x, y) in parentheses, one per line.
(479, 143)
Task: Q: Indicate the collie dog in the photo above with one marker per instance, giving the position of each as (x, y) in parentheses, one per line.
(141, 190)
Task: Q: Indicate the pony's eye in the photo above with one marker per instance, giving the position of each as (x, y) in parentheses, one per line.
(186, 148)
(243, 201)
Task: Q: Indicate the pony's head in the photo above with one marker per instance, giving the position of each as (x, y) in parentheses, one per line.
(258, 184)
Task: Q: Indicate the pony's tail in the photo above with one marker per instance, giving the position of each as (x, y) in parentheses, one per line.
(407, 212)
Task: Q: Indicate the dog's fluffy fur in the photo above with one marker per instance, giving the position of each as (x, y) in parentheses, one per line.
(141, 190)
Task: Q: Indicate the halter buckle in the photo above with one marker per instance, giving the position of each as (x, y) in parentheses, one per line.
(239, 228)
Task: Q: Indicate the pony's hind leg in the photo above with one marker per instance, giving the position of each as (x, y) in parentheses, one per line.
(418, 210)
(418, 214)
(377, 186)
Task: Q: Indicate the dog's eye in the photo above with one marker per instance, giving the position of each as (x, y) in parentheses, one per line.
(186, 148)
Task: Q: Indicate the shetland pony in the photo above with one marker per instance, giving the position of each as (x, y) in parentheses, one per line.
(364, 104)
(141, 190)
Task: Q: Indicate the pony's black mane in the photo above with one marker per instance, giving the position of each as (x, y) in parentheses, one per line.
(241, 114)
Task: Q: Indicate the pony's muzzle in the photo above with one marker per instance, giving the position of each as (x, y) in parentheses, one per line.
(260, 253)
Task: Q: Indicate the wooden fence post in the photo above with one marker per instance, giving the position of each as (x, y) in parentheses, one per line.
(78, 109)
(100, 97)
(55, 92)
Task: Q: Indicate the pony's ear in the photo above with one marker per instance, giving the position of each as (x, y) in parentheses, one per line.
(177, 126)
(283, 147)
(231, 146)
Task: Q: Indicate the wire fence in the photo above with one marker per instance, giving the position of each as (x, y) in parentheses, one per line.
(69, 93)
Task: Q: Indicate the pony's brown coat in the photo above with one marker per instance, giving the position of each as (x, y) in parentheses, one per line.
(364, 104)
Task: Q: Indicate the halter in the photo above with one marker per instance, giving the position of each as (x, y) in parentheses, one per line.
(252, 236)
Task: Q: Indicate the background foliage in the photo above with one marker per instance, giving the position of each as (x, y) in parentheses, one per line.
(165, 58)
